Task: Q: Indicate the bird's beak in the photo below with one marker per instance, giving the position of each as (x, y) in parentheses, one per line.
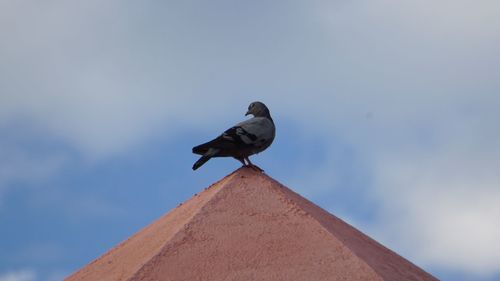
(248, 112)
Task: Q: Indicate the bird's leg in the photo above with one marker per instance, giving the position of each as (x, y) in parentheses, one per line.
(242, 160)
(253, 166)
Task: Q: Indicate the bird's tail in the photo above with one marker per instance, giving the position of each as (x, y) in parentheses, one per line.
(200, 149)
(203, 159)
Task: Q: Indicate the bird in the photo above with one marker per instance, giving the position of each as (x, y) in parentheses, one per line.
(249, 137)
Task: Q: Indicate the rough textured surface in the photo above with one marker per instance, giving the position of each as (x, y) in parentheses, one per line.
(249, 227)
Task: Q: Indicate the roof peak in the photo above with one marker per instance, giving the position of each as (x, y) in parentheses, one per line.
(248, 226)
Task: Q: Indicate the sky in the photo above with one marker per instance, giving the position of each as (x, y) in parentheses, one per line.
(386, 111)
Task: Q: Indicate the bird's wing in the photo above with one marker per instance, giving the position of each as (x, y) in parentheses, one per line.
(252, 131)
(246, 134)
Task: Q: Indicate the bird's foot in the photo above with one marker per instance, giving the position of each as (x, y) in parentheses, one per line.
(254, 167)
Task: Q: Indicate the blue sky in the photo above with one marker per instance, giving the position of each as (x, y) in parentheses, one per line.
(387, 116)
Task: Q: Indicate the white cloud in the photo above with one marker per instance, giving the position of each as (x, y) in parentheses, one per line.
(102, 85)
(442, 207)
(107, 84)
(416, 96)
(20, 275)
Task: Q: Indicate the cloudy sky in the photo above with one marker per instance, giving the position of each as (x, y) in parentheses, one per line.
(387, 115)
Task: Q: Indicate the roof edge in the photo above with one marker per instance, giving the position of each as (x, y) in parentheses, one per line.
(310, 209)
(178, 234)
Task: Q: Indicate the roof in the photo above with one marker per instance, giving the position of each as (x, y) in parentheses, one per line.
(248, 226)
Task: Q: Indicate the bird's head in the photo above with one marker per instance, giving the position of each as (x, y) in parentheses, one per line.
(258, 109)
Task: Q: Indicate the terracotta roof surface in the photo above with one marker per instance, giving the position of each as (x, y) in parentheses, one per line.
(248, 226)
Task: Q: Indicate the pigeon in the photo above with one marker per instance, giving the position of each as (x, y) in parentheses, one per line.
(242, 140)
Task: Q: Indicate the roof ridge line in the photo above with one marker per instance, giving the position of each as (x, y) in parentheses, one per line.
(226, 180)
(307, 213)
(344, 242)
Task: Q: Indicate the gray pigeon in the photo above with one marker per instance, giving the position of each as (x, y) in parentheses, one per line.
(246, 138)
